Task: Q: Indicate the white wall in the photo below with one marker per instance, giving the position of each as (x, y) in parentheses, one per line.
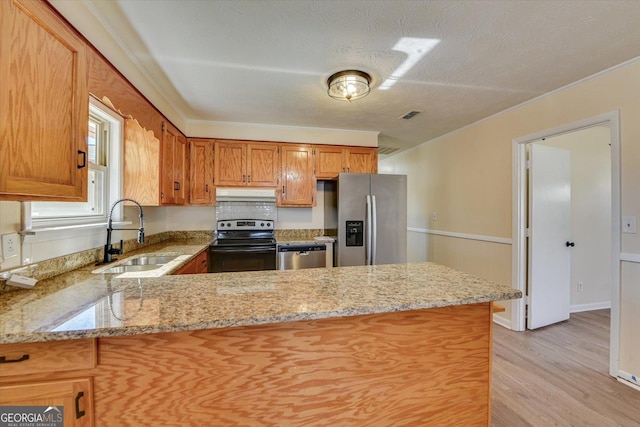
(590, 214)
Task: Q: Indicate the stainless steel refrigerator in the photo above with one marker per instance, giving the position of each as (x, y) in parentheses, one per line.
(368, 213)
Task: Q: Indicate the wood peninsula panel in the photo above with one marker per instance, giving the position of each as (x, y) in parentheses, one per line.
(43, 105)
(424, 367)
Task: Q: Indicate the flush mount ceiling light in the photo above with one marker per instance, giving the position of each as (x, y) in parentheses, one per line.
(349, 85)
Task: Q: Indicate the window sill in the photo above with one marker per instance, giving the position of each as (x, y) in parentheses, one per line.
(35, 231)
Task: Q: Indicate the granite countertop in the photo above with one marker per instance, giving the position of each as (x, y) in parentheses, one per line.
(82, 304)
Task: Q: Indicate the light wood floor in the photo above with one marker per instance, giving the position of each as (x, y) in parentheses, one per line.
(558, 376)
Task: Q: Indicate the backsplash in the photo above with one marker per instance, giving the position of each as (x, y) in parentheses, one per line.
(246, 210)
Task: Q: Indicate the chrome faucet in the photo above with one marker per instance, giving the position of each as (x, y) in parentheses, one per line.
(108, 248)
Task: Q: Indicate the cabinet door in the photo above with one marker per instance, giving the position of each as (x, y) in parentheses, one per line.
(180, 170)
(44, 105)
(329, 161)
(230, 163)
(298, 182)
(201, 154)
(262, 165)
(362, 160)
(174, 162)
(75, 395)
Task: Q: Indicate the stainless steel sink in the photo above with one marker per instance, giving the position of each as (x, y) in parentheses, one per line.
(127, 268)
(148, 260)
(139, 263)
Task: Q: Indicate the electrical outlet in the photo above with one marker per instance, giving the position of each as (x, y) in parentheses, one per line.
(629, 224)
(434, 216)
(10, 245)
(580, 286)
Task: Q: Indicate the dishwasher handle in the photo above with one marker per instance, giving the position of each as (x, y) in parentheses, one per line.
(302, 249)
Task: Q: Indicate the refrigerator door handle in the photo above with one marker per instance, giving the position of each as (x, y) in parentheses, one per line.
(374, 234)
(368, 235)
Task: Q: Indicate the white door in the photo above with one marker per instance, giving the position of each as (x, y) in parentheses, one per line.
(549, 235)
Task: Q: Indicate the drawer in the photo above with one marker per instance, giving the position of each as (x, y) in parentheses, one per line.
(46, 357)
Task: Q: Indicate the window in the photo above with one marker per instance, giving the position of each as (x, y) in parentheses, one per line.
(104, 183)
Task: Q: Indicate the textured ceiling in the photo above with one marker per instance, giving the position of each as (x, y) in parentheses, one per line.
(266, 62)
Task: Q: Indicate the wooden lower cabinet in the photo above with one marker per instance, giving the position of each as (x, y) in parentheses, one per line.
(198, 265)
(75, 395)
(425, 367)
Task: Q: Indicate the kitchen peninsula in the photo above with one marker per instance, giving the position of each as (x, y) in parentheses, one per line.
(405, 344)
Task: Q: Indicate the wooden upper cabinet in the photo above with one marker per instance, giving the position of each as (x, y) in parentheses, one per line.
(262, 165)
(173, 174)
(141, 164)
(44, 105)
(230, 163)
(361, 160)
(329, 161)
(243, 164)
(298, 184)
(201, 157)
(332, 160)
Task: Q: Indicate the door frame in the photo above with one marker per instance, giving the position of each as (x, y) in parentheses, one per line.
(519, 215)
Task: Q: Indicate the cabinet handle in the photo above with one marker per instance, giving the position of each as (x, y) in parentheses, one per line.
(24, 357)
(176, 185)
(244, 177)
(283, 190)
(79, 413)
(84, 159)
(249, 178)
(206, 188)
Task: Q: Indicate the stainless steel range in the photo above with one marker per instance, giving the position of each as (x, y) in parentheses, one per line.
(243, 245)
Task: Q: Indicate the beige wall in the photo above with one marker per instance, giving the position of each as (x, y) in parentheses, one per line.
(466, 177)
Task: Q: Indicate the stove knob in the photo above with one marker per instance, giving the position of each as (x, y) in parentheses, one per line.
(268, 224)
(262, 224)
(222, 224)
(228, 224)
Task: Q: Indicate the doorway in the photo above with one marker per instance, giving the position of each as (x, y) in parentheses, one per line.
(609, 122)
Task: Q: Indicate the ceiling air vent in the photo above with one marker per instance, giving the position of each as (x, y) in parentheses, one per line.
(386, 150)
(411, 114)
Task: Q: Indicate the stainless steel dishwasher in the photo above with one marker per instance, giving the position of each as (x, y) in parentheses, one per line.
(296, 256)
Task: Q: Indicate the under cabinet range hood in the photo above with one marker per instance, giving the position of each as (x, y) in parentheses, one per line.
(232, 194)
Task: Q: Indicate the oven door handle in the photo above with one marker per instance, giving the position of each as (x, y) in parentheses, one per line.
(252, 249)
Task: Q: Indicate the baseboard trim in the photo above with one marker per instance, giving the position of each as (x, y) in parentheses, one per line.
(629, 380)
(481, 238)
(589, 307)
(505, 323)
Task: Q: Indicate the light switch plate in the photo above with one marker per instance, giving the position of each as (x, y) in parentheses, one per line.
(629, 224)
(10, 244)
